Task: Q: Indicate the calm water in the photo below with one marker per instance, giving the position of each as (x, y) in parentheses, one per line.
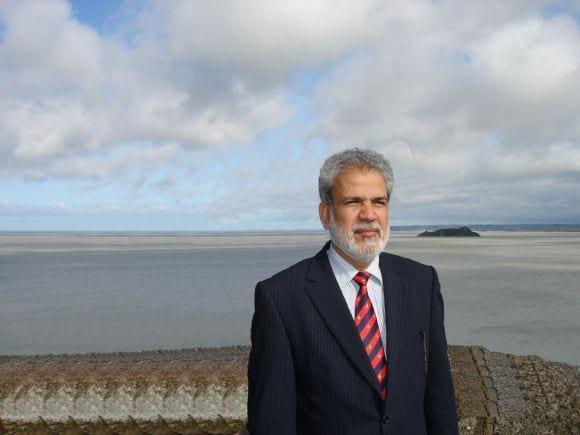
(511, 292)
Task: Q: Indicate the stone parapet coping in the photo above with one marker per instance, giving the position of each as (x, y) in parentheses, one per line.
(197, 391)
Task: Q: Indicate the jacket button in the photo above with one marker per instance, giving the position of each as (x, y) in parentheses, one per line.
(385, 419)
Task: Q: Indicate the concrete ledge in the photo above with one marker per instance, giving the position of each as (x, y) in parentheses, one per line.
(197, 391)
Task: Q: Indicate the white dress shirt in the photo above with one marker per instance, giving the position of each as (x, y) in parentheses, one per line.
(345, 272)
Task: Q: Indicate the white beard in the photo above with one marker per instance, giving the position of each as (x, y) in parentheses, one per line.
(344, 240)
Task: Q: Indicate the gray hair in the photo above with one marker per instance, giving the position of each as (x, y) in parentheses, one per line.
(355, 157)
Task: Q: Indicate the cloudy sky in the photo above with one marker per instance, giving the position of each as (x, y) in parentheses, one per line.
(216, 115)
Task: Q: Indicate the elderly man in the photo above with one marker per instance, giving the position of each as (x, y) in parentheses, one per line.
(351, 341)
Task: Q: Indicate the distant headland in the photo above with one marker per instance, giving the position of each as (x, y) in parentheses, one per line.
(450, 232)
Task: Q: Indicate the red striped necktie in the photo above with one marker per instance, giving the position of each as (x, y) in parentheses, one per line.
(366, 322)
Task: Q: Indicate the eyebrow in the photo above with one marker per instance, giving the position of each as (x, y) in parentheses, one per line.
(360, 198)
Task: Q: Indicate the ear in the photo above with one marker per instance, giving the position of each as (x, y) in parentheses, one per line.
(324, 214)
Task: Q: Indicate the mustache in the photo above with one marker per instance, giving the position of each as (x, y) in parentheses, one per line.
(367, 227)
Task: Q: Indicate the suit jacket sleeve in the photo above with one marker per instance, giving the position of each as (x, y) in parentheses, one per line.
(440, 397)
(271, 380)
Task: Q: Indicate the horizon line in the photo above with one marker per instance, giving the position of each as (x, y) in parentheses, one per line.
(281, 230)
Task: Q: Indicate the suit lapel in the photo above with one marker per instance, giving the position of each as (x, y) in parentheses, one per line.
(395, 291)
(327, 297)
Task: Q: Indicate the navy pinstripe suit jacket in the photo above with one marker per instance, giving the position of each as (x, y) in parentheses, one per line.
(309, 374)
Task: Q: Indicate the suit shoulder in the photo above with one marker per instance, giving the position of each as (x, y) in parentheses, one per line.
(421, 276)
(407, 265)
(295, 273)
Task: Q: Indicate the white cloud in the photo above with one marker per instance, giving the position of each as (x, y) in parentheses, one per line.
(45, 52)
(127, 159)
(63, 205)
(474, 102)
(532, 59)
(43, 129)
(71, 95)
(560, 158)
(263, 38)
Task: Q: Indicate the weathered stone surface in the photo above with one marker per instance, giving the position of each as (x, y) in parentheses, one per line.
(175, 391)
(197, 391)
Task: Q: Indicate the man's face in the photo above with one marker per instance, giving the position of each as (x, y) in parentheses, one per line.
(358, 219)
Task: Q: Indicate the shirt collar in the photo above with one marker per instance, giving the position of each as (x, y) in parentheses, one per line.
(344, 268)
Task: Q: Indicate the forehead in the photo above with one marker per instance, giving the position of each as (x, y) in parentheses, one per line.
(359, 181)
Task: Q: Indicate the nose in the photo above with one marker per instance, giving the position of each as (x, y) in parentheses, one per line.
(367, 212)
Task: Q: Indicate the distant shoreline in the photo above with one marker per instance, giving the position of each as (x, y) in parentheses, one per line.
(394, 228)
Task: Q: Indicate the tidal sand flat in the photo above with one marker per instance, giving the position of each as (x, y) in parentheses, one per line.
(514, 292)
(13, 243)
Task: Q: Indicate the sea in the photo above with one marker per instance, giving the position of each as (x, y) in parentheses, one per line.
(509, 291)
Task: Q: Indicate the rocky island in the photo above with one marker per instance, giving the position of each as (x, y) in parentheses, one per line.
(450, 232)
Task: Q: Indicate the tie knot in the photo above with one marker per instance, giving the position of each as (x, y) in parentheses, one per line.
(361, 278)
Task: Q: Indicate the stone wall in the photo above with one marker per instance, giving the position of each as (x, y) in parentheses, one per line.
(198, 391)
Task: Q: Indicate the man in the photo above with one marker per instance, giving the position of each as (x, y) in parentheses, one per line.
(351, 341)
